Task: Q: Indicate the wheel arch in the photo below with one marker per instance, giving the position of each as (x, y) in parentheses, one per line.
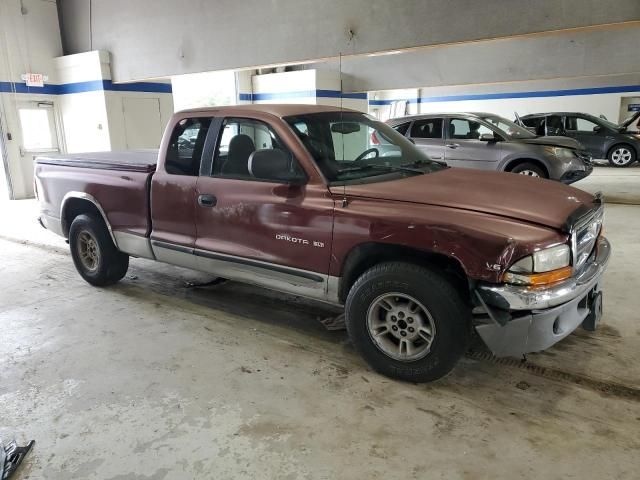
(366, 255)
(79, 203)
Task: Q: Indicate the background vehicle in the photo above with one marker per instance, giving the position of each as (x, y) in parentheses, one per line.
(299, 201)
(490, 142)
(601, 138)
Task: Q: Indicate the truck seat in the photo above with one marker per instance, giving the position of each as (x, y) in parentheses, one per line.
(240, 147)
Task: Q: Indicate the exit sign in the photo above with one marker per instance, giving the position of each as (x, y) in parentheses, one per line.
(34, 79)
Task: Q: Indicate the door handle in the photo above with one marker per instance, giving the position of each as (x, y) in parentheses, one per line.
(207, 200)
(452, 145)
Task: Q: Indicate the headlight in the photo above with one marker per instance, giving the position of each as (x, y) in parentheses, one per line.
(541, 268)
(560, 152)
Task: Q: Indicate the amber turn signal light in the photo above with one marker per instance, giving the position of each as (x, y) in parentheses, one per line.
(539, 279)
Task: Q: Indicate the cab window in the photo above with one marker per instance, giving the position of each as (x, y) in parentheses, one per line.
(185, 146)
(244, 140)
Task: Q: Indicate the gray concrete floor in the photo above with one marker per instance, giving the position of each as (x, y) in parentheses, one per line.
(153, 380)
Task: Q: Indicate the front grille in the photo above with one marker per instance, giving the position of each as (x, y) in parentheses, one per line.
(584, 237)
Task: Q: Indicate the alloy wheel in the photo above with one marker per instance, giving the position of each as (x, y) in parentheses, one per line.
(88, 251)
(400, 326)
(621, 156)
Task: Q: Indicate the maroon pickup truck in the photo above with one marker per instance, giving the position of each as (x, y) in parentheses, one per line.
(298, 199)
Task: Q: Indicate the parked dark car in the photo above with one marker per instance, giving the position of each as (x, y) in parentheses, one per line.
(490, 142)
(602, 138)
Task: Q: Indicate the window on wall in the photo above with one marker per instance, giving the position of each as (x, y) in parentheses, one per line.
(240, 139)
(463, 129)
(186, 145)
(37, 125)
(430, 128)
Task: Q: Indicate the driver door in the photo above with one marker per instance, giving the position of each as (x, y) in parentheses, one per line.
(255, 228)
(588, 133)
(463, 148)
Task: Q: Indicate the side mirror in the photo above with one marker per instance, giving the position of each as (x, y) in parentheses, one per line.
(597, 128)
(487, 137)
(275, 165)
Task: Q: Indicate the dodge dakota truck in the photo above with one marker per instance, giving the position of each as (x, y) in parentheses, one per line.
(296, 198)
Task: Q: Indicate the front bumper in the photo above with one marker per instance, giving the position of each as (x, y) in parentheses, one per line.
(539, 317)
(575, 175)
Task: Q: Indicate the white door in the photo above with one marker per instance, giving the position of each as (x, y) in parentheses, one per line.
(142, 122)
(39, 135)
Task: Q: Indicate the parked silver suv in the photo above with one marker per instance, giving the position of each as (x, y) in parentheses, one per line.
(490, 142)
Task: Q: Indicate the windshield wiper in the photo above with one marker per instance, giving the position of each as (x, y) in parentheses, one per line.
(420, 163)
(388, 168)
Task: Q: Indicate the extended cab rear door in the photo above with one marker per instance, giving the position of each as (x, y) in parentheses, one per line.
(252, 224)
(173, 189)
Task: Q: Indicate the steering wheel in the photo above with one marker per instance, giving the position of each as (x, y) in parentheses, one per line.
(367, 152)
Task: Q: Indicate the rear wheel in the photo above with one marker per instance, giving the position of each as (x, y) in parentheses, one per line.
(621, 156)
(407, 321)
(95, 256)
(529, 169)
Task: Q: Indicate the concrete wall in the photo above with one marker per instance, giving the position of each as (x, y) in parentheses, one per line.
(315, 87)
(154, 38)
(596, 95)
(611, 50)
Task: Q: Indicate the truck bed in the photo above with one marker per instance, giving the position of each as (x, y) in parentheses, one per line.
(117, 182)
(131, 160)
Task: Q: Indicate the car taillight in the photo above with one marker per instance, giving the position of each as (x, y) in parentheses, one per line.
(374, 139)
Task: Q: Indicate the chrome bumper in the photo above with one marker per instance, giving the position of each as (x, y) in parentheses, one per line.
(541, 317)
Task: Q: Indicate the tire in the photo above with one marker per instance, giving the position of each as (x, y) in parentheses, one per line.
(529, 169)
(621, 155)
(95, 256)
(447, 316)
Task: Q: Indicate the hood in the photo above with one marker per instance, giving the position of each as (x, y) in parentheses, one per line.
(528, 199)
(630, 120)
(554, 141)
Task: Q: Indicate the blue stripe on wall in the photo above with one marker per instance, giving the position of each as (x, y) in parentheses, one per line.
(248, 97)
(90, 86)
(532, 94)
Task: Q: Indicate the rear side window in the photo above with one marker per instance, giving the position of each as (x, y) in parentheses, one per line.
(430, 128)
(537, 123)
(185, 147)
(402, 128)
(554, 125)
(532, 122)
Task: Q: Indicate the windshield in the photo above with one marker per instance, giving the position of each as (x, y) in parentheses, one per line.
(507, 127)
(351, 147)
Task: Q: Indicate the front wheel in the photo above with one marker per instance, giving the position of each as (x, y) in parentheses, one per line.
(529, 169)
(407, 321)
(95, 256)
(621, 156)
